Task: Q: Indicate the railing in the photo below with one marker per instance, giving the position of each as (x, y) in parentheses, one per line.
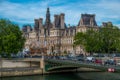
(82, 64)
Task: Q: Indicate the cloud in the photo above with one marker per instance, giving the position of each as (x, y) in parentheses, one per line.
(25, 13)
(21, 12)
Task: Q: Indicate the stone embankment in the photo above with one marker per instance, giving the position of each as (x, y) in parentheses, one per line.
(20, 72)
(20, 67)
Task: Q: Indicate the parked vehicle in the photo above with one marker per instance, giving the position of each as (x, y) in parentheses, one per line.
(118, 63)
(98, 61)
(110, 62)
(90, 59)
(116, 55)
(80, 57)
(63, 57)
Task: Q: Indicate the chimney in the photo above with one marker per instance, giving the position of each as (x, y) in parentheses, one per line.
(62, 20)
(28, 28)
(36, 24)
(81, 20)
(56, 18)
(92, 21)
(40, 23)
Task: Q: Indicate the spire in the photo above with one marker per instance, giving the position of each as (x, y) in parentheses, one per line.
(47, 22)
(48, 10)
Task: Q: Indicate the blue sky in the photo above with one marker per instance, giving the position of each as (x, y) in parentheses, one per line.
(25, 11)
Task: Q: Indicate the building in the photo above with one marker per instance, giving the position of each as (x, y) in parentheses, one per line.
(107, 24)
(56, 36)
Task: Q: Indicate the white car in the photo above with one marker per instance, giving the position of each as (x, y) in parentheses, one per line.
(90, 58)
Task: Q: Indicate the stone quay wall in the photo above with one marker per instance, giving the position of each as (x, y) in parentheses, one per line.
(20, 67)
(21, 72)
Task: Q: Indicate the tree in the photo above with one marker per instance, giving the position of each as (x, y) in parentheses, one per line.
(89, 46)
(87, 40)
(10, 37)
(104, 40)
(65, 52)
(110, 37)
(79, 39)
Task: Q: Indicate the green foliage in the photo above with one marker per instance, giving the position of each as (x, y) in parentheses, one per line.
(111, 39)
(104, 40)
(79, 39)
(11, 40)
(65, 52)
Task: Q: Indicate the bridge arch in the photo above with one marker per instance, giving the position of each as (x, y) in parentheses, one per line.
(54, 65)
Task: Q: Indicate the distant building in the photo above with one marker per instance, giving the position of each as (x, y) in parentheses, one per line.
(56, 36)
(105, 24)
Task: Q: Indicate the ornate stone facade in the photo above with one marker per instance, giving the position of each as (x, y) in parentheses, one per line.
(56, 36)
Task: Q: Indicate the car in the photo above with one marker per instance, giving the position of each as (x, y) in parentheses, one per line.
(110, 62)
(63, 57)
(98, 61)
(90, 59)
(118, 63)
(116, 55)
(80, 58)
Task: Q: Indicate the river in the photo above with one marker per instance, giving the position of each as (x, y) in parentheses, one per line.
(70, 76)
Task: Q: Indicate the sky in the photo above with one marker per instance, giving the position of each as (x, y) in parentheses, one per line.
(25, 11)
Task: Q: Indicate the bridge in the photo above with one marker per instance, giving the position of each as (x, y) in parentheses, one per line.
(50, 65)
(56, 64)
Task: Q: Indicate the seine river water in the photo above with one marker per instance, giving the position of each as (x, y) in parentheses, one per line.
(70, 76)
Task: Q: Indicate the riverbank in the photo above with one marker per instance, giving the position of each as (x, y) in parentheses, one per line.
(20, 67)
(11, 72)
(69, 76)
(20, 72)
(30, 66)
